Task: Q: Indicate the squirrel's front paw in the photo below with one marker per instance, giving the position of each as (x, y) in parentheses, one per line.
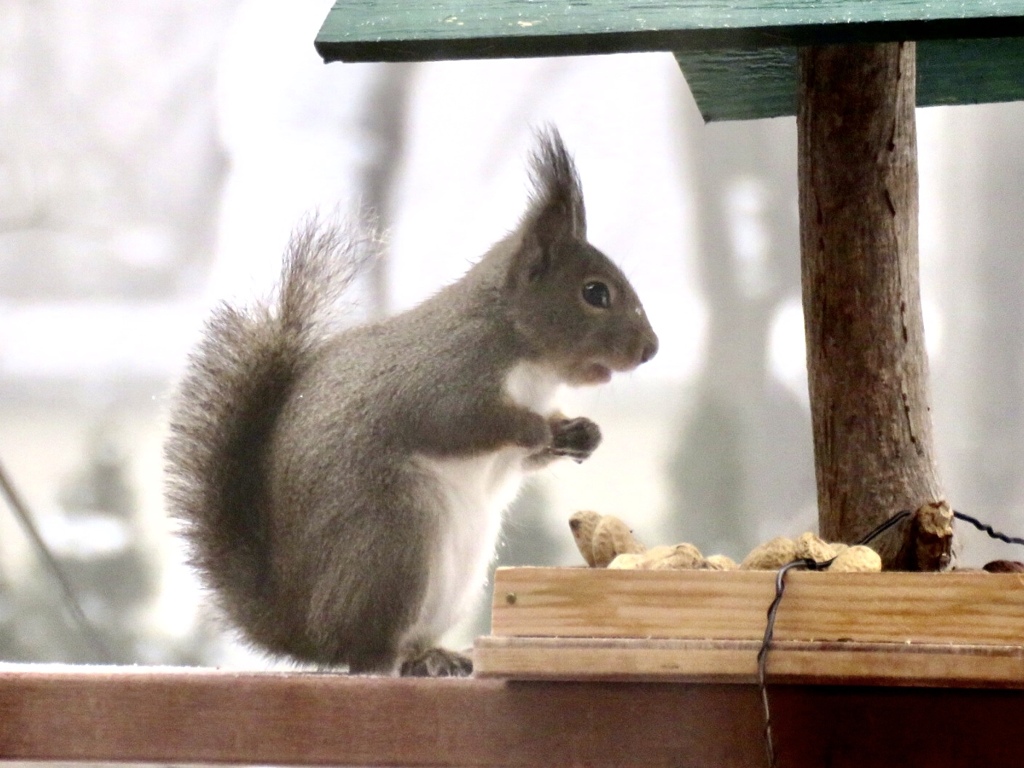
(437, 662)
(576, 438)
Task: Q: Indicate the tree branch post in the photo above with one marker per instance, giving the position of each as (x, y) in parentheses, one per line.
(866, 360)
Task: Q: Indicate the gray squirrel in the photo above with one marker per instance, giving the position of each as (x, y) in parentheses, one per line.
(342, 489)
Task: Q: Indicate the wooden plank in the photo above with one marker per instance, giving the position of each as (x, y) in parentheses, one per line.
(966, 608)
(198, 716)
(741, 84)
(735, 661)
(842, 727)
(202, 716)
(374, 30)
(749, 83)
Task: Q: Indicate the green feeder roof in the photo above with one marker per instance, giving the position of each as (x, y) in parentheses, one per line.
(738, 57)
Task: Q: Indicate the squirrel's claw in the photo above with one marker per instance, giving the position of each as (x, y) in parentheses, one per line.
(437, 662)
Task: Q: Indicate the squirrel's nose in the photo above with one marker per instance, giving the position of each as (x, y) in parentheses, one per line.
(649, 351)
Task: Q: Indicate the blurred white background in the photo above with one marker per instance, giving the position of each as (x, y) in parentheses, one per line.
(155, 157)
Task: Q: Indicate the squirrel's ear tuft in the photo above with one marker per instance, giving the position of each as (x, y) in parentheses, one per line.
(556, 205)
(556, 211)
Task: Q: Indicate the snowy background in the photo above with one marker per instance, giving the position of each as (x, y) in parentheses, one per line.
(155, 157)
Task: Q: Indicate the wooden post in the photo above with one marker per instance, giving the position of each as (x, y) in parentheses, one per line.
(866, 359)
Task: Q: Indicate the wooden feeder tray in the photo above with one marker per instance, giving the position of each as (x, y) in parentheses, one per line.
(948, 629)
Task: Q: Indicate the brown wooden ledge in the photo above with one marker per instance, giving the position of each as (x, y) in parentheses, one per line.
(207, 716)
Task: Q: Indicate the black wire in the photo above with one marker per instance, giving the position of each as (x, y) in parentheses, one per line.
(880, 529)
(762, 654)
(987, 528)
(24, 517)
(773, 609)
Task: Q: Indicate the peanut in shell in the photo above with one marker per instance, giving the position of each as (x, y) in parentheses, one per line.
(810, 546)
(627, 561)
(613, 537)
(718, 563)
(771, 555)
(680, 557)
(582, 525)
(856, 559)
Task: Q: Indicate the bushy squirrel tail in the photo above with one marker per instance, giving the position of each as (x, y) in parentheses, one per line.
(236, 383)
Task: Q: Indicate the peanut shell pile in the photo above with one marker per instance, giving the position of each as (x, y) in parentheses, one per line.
(605, 541)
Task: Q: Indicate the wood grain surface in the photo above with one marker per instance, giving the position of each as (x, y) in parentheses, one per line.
(965, 608)
(205, 716)
(750, 83)
(735, 661)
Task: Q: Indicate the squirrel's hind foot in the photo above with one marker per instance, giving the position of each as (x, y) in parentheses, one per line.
(437, 662)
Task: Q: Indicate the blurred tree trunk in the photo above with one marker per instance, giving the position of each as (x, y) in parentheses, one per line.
(866, 359)
(742, 456)
(384, 117)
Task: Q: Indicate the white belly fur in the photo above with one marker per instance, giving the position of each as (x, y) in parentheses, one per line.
(475, 492)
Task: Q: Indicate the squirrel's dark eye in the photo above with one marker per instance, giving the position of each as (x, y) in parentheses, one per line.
(596, 294)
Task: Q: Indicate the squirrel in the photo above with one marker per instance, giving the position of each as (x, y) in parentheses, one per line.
(342, 489)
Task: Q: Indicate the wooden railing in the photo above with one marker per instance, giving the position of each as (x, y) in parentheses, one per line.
(206, 716)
